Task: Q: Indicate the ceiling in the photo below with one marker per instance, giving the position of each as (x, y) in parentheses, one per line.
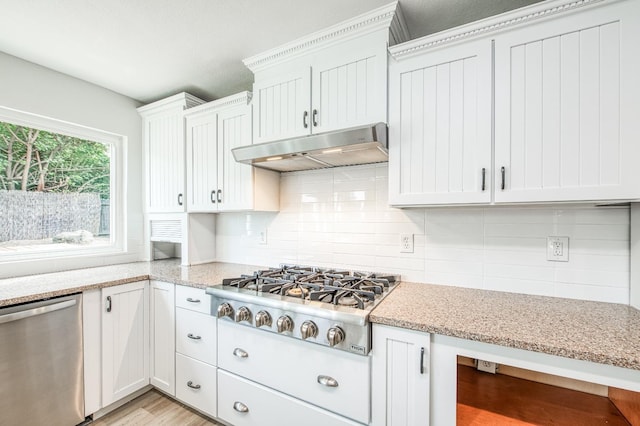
(149, 49)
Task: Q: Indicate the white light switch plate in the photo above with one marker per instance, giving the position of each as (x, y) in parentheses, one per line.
(558, 249)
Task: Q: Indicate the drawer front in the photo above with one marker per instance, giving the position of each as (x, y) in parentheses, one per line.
(194, 299)
(267, 407)
(301, 369)
(196, 384)
(196, 335)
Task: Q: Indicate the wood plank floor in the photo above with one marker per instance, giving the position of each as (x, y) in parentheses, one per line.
(487, 399)
(153, 408)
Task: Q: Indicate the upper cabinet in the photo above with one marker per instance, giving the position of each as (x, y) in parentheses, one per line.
(555, 82)
(215, 181)
(333, 79)
(163, 133)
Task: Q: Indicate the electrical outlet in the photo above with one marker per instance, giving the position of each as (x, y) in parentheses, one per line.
(262, 237)
(487, 366)
(406, 243)
(558, 249)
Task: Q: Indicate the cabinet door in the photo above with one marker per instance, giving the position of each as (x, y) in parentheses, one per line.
(567, 101)
(235, 180)
(440, 127)
(162, 334)
(282, 105)
(202, 163)
(349, 85)
(400, 377)
(164, 140)
(125, 340)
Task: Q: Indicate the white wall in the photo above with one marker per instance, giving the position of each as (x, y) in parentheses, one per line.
(340, 217)
(31, 88)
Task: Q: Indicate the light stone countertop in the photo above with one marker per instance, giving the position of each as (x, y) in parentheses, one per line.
(605, 333)
(35, 287)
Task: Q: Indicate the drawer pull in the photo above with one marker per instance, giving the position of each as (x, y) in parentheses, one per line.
(193, 300)
(328, 381)
(240, 407)
(191, 336)
(192, 386)
(240, 353)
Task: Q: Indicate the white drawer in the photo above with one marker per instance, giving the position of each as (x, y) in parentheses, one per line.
(194, 299)
(296, 368)
(196, 384)
(196, 335)
(267, 407)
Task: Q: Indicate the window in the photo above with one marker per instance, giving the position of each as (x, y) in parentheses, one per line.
(60, 188)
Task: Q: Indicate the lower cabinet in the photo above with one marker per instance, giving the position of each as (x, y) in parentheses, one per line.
(162, 326)
(400, 377)
(125, 340)
(242, 403)
(196, 384)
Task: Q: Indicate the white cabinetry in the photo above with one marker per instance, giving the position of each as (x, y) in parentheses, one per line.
(162, 326)
(565, 98)
(400, 377)
(163, 133)
(333, 79)
(215, 181)
(567, 102)
(125, 340)
(440, 126)
(196, 336)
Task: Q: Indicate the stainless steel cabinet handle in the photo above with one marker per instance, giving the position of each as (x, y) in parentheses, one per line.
(240, 407)
(484, 173)
(421, 360)
(315, 118)
(189, 299)
(219, 195)
(328, 381)
(108, 303)
(502, 172)
(304, 119)
(179, 199)
(240, 353)
(192, 386)
(191, 336)
(213, 195)
(15, 316)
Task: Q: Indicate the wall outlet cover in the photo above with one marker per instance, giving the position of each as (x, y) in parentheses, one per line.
(558, 249)
(406, 243)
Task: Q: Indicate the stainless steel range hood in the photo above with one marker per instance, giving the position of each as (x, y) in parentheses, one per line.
(356, 145)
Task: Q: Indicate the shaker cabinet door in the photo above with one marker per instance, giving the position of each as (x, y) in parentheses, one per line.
(440, 127)
(202, 158)
(567, 102)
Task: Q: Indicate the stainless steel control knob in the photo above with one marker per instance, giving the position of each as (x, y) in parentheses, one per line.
(263, 318)
(308, 329)
(243, 314)
(284, 323)
(225, 310)
(335, 335)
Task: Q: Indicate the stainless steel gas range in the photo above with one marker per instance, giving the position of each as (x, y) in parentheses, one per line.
(300, 332)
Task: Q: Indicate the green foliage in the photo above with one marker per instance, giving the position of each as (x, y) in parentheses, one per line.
(52, 162)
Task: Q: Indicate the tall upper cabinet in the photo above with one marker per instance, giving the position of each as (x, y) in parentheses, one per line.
(163, 133)
(215, 181)
(534, 105)
(332, 79)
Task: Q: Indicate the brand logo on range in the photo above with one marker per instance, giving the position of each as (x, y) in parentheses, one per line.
(358, 349)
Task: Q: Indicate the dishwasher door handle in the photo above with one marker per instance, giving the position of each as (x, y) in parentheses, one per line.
(15, 316)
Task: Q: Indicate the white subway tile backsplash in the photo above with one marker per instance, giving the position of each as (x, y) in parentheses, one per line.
(340, 217)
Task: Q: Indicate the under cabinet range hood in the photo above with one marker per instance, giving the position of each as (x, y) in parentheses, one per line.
(347, 147)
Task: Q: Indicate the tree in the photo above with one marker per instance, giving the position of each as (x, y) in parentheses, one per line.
(37, 160)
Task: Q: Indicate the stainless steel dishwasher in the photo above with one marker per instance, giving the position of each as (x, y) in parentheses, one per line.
(41, 375)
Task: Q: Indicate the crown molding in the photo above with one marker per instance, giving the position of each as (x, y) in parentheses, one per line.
(385, 17)
(181, 100)
(239, 99)
(490, 25)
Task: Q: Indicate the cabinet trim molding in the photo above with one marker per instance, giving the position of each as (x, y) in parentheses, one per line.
(182, 100)
(242, 99)
(385, 17)
(493, 24)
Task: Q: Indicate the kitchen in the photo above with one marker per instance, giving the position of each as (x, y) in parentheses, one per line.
(325, 217)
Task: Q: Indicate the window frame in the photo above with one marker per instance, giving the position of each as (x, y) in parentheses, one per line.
(118, 161)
